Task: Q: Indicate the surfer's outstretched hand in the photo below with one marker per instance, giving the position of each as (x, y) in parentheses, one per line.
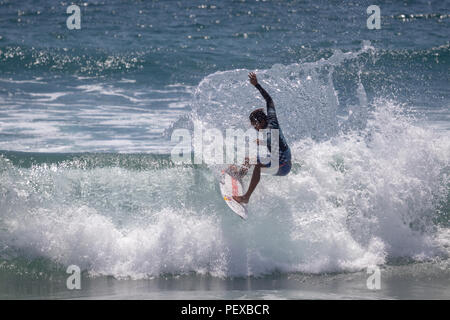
(252, 77)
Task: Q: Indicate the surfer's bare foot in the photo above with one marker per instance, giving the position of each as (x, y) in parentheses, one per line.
(237, 172)
(244, 168)
(243, 171)
(233, 170)
(241, 199)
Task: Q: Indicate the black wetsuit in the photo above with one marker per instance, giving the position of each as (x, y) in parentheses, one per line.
(272, 123)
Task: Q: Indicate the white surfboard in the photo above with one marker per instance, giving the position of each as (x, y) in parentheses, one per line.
(229, 187)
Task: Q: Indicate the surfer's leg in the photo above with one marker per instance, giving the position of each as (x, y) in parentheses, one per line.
(253, 183)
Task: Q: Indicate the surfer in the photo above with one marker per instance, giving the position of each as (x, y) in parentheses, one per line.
(260, 120)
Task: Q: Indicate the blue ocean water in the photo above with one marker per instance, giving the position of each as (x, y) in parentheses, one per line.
(86, 118)
(129, 72)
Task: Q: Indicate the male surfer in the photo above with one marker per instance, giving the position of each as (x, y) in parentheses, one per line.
(260, 120)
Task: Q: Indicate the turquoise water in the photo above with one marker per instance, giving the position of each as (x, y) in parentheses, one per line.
(86, 118)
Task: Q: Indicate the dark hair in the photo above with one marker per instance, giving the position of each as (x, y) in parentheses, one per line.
(258, 115)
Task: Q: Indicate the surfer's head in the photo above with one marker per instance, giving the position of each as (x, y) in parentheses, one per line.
(258, 119)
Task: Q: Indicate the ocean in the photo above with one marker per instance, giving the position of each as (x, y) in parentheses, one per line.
(87, 178)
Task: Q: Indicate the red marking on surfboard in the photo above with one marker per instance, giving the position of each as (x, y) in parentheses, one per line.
(234, 187)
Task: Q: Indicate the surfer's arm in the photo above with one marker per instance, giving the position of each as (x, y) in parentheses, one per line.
(271, 114)
(266, 96)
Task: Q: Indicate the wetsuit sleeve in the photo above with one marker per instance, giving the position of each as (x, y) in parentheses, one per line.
(271, 113)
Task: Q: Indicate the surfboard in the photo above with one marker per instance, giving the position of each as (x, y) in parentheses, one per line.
(229, 187)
